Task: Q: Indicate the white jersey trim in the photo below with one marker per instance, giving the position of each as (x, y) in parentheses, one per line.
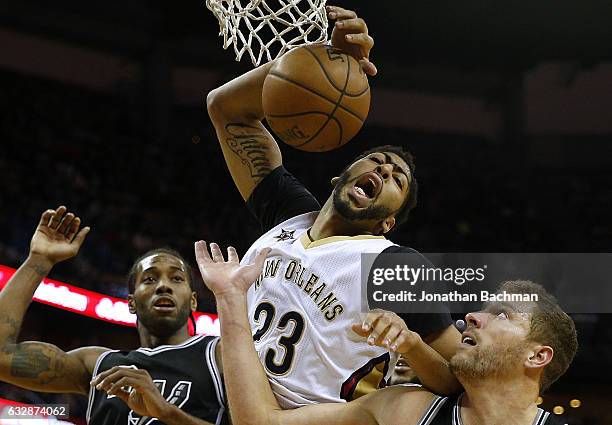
(215, 374)
(92, 389)
(162, 348)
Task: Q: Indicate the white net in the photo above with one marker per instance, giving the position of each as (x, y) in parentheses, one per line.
(268, 28)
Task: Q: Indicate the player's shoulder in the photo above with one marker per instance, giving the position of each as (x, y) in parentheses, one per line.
(290, 228)
(88, 356)
(400, 249)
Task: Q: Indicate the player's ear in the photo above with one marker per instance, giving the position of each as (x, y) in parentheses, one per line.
(194, 301)
(539, 356)
(131, 303)
(386, 225)
(334, 181)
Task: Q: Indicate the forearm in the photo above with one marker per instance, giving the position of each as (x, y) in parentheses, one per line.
(431, 369)
(250, 397)
(176, 416)
(236, 112)
(16, 297)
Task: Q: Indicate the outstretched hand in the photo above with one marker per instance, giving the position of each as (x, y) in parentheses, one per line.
(227, 277)
(350, 34)
(57, 237)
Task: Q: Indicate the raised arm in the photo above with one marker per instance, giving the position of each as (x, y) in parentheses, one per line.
(429, 359)
(236, 111)
(36, 365)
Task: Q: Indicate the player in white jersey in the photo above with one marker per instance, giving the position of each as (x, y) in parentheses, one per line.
(310, 290)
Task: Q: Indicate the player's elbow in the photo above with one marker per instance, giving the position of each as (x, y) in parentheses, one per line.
(214, 104)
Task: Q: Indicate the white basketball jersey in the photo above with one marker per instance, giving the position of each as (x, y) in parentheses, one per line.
(301, 310)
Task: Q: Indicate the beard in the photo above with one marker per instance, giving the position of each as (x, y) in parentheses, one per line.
(486, 362)
(160, 326)
(346, 211)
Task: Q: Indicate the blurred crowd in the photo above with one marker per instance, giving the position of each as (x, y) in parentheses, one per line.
(97, 154)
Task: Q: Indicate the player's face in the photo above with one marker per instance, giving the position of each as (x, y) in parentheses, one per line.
(372, 188)
(162, 296)
(494, 342)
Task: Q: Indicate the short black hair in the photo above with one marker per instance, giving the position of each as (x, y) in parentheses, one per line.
(131, 278)
(413, 187)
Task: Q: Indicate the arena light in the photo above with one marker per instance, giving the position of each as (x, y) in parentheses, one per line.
(92, 304)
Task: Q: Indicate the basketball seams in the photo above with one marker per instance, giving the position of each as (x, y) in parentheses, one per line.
(331, 115)
(331, 80)
(306, 105)
(284, 78)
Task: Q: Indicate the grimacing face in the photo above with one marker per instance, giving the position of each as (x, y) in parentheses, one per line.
(162, 298)
(372, 188)
(494, 342)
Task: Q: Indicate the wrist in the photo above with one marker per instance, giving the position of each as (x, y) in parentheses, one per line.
(415, 341)
(230, 296)
(169, 413)
(41, 264)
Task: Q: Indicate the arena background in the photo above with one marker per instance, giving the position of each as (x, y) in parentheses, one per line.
(507, 107)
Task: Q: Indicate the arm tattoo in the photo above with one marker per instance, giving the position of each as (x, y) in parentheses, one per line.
(250, 144)
(30, 360)
(7, 346)
(29, 363)
(37, 362)
(39, 270)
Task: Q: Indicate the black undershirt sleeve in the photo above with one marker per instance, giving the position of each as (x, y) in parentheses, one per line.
(438, 318)
(279, 197)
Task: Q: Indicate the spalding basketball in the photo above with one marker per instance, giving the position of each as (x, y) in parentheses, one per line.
(316, 98)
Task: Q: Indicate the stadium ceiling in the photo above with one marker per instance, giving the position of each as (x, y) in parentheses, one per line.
(462, 47)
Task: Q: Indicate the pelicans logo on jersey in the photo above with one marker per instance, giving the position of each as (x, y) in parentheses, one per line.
(285, 235)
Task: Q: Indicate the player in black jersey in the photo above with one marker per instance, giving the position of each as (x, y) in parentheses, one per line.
(509, 353)
(173, 378)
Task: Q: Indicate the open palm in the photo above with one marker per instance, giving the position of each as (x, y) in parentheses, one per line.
(229, 276)
(57, 236)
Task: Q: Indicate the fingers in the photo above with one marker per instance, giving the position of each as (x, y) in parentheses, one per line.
(382, 328)
(362, 40)
(358, 329)
(232, 255)
(106, 379)
(201, 252)
(46, 217)
(390, 339)
(368, 67)
(336, 12)
(56, 218)
(369, 320)
(217, 255)
(65, 223)
(379, 330)
(80, 237)
(261, 258)
(73, 228)
(118, 386)
(354, 25)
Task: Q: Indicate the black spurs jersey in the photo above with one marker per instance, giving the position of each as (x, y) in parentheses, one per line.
(185, 374)
(446, 411)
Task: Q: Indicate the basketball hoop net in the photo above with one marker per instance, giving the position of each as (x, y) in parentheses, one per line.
(268, 28)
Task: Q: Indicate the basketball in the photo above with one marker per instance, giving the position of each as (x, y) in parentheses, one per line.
(316, 98)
